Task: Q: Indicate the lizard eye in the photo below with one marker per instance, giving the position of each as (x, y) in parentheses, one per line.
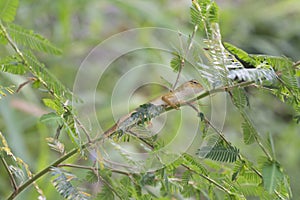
(194, 81)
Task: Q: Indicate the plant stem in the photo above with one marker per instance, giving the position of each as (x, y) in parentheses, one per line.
(43, 172)
(209, 180)
(36, 76)
(11, 177)
(76, 150)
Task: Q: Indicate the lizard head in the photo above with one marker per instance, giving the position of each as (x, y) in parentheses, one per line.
(194, 83)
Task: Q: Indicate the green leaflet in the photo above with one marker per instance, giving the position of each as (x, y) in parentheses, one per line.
(287, 90)
(106, 193)
(64, 187)
(93, 177)
(213, 13)
(147, 179)
(54, 105)
(12, 64)
(240, 98)
(241, 55)
(196, 17)
(192, 163)
(272, 175)
(204, 13)
(29, 38)
(176, 62)
(277, 62)
(219, 152)
(50, 117)
(249, 132)
(8, 9)
(47, 79)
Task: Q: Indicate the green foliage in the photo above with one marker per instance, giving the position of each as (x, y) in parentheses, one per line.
(204, 13)
(32, 40)
(272, 176)
(12, 64)
(219, 152)
(106, 193)
(176, 62)
(241, 55)
(147, 179)
(228, 68)
(213, 13)
(49, 116)
(8, 10)
(193, 164)
(249, 132)
(240, 98)
(63, 185)
(287, 88)
(47, 80)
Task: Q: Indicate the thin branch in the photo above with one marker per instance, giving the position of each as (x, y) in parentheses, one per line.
(92, 168)
(263, 148)
(224, 139)
(30, 79)
(203, 176)
(209, 180)
(110, 186)
(102, 138)
(83, 128)
(43, 172)
(296, 64)
(11, 177)
(77, 166)
(44, 83)
(190, 44)
(58, 130)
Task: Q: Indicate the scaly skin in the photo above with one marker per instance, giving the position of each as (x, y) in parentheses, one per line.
(180, 95)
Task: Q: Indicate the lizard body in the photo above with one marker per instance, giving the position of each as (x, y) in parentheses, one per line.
(180, 95)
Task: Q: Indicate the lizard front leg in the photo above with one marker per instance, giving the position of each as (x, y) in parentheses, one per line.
(169, 102)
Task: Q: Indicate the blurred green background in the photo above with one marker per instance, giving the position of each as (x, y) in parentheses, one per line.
(77, 26)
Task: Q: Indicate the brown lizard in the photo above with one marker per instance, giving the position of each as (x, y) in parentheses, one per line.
(180, 95)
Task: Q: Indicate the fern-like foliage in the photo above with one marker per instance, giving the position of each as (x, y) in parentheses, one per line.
(205, 15)
(106, 193)
(219, 152)
(193, 164)
(28, 38)
(176, 62)
(47, 79)
(8, 10)
(63, 185)
(12, 64)
(270, 68)
(17, 167)
(257, 75)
